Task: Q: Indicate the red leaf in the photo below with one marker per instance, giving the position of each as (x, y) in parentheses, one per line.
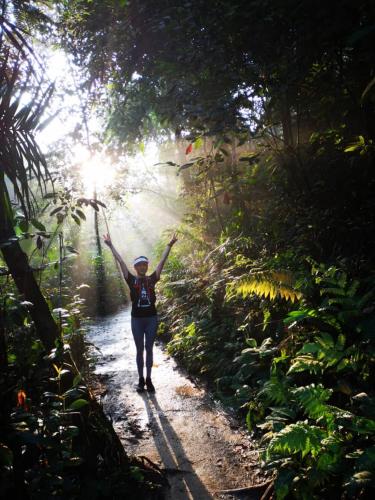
(189, 149)
(21, 399)
(226, 199)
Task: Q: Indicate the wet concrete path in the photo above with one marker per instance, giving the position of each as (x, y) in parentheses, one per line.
(179, 427)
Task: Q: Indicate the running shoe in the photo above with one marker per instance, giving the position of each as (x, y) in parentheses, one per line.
(149, 385)
(141, 385)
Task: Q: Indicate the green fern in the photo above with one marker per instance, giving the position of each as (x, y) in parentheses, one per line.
(341, 294)
(312, 398)
(279, 417)
(275, 390)
(254, 415)
(306, 363)
(316, 357)
(333, 450)
(296, 438)
(361, 425)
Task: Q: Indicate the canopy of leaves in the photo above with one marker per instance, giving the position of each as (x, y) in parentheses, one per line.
(222, 65)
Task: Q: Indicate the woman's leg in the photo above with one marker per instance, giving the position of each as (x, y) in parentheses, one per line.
(150, 331)
(137, 325)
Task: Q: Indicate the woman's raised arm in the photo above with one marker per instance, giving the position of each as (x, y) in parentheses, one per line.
(117, 256)
(164, 257)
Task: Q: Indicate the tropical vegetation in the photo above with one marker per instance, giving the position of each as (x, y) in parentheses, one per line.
(269, 296)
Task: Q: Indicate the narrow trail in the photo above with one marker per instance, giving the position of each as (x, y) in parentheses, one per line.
(180, 427)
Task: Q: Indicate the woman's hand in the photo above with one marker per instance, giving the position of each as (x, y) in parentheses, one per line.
(107, 240)
(164, 257)
(173, 240)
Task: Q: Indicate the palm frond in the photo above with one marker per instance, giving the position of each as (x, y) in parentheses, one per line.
(24, 97)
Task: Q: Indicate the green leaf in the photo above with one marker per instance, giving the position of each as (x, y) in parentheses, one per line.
(325, 340)
(38, 225)
(309, 348)
(284, 482)
(71, 249)
(94, 205)
(78, 404)
(24, 225)
(362, 425)
(198, 143)
(77, 379)
(76, 219)
(101, 203)
(74, 393)
(80, 214)
(351, 148)
(359, 480)
(55, 210)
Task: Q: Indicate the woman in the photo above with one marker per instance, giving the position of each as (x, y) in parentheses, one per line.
(144, 318)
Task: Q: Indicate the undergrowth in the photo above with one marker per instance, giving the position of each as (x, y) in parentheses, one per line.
(291, 348)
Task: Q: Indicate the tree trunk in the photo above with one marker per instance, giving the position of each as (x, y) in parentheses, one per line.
(286, 122)
(238, 200)
(101, 299)
(18, 265)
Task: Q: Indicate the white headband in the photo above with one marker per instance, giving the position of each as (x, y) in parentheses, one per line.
(140, 259)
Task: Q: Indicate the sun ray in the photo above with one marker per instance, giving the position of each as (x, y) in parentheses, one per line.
(97, 172)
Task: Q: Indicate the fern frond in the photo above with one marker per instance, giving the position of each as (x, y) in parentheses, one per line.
(333, 291)
(297, 438)
(275, 390)
(267, 284)
(353, 288)
(312, 398)
(281, 414)
(306, 364)
(325, 340)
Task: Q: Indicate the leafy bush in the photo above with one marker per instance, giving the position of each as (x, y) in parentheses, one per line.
(302, 377)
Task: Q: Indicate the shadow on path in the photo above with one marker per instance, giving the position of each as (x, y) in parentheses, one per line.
(181, 474)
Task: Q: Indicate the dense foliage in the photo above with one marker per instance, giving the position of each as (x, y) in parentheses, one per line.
(217, 66)
(302, 376)
(55, 441)
(271, 293)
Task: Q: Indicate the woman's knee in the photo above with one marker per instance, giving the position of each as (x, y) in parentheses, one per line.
(139, 344)
(149, 343)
